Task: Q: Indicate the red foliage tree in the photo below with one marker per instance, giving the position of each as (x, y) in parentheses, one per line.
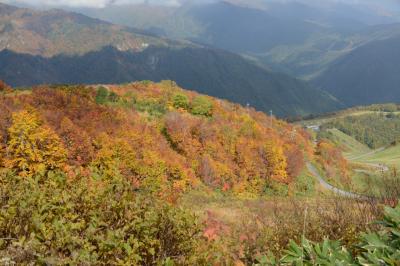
(295, 161)
(4, 87)
(78, 143)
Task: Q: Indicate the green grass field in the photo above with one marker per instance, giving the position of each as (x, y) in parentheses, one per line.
(352, 147)
(389, 157)
(359, 153)
(367, 163)
(326, 119)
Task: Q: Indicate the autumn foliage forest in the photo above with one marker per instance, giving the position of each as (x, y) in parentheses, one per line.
(96, 175)
(156, 135)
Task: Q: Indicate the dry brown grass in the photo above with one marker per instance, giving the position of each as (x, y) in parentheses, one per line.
(246, 228)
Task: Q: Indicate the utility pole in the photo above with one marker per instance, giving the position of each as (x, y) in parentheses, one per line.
(270, 113)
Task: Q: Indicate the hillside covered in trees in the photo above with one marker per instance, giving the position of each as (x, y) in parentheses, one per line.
(154, 134)
(375, 126)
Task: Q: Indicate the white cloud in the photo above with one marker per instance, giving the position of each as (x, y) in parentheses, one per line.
(87, 3)
(71, 3)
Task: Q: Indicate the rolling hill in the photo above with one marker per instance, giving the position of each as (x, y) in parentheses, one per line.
(53, 32)
(66, 47)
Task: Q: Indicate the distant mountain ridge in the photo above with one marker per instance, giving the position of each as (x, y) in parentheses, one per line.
(67, 47)
(369, 74)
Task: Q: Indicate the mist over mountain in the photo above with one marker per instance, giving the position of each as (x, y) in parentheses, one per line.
(300, 38)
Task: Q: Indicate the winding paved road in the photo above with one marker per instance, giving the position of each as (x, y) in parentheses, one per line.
(366, 154)
(335, 190)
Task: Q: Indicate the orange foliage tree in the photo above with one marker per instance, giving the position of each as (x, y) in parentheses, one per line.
(331, 158)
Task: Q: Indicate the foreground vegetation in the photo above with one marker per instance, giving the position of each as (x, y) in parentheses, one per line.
(380, 248)
(53, 219)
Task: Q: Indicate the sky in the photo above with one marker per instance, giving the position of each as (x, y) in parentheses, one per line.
(105, 3)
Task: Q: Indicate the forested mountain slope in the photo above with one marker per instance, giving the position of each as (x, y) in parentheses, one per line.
(215, 73)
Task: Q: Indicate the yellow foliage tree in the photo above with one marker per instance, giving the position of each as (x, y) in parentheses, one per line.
(276, 161)
(113, 157)
(32, 148)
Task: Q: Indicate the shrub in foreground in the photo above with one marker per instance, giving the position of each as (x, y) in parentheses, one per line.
(375, 248)
(55, 221)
